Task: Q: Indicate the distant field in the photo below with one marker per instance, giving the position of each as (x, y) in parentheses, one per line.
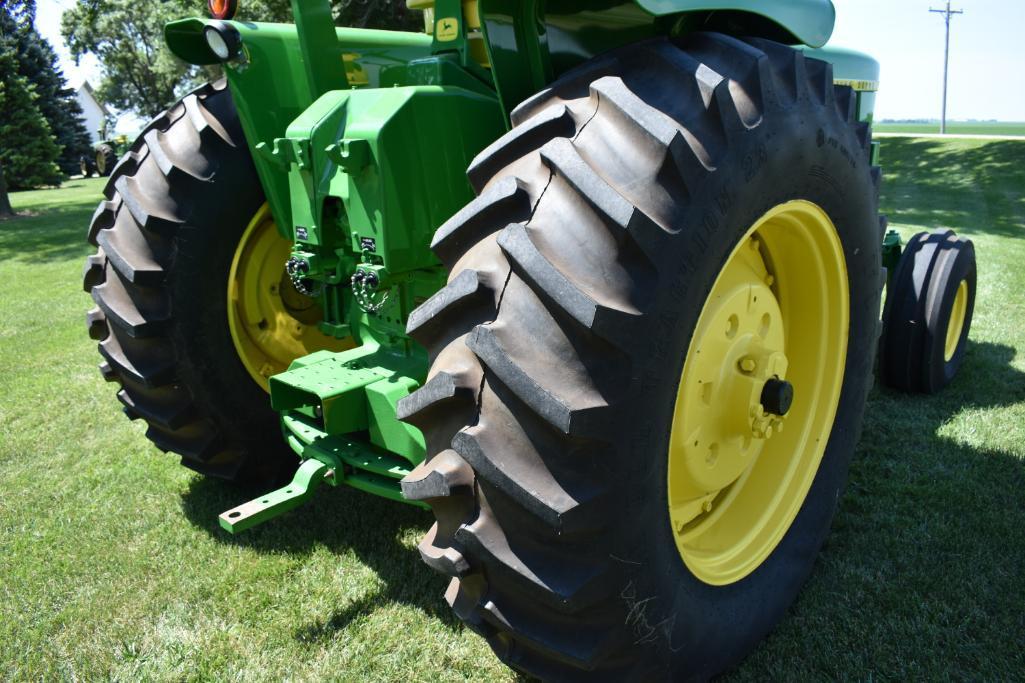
(955, 128)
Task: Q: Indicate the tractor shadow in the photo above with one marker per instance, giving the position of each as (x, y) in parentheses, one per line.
(974, 189)
(380, 533)
(928, 544)
(922, 573)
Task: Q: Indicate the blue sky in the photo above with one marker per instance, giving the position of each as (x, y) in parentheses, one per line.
(987, 54)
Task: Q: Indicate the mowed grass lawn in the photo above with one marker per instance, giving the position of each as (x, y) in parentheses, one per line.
(955, 128)
(112, 565)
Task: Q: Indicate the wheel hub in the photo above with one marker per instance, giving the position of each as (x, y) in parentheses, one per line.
(736, 350)
(767, 352)
(271, 323)
(955, 325)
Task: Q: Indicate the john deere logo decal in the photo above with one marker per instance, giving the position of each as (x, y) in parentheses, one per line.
(446, 29)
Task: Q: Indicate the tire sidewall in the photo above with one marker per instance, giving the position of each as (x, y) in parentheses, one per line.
(808, 153)
(209, 362)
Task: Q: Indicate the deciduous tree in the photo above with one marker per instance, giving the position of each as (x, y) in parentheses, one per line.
(141, 75)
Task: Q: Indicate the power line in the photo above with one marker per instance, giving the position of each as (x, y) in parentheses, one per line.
(946, 58)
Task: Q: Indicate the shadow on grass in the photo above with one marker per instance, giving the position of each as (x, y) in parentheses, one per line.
(344, 521)
(973, 188)
(923, 574)
(52, 228)
(929, 544)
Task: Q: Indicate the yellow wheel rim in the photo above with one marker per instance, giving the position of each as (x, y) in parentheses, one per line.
(778, 312)
(271, 324)
(956, 323)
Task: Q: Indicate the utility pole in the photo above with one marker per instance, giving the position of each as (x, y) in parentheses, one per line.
(946, 59)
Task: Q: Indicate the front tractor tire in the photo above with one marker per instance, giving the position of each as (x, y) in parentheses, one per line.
(674, 253)
(928, 313)
(177, 206)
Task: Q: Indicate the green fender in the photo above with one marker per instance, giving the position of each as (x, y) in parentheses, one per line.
(532, 42)
(806, 21)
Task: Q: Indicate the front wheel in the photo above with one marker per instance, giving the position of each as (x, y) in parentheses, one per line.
(928, 313)
(650, 363)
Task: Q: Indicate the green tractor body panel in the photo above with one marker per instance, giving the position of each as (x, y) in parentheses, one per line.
(856, 69)
(361, 140)
(271, 85)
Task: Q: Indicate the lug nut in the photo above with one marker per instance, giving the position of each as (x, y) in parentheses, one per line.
(748, 364)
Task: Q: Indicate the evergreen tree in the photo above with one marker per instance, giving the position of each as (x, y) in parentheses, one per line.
(38, 62)
(28, 151)
(5, 202)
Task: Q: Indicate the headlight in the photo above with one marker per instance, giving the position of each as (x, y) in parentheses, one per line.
(223, 40)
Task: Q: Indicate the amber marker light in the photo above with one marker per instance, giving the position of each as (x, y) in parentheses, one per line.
(222, 9)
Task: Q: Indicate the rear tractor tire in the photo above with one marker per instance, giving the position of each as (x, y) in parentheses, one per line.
(928, 313)
(193, 308)
(674, 253)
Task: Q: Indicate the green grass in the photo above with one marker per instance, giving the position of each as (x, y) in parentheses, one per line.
(112, 565)
(955, 127)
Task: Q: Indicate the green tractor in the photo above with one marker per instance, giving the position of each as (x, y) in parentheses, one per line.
(106, 152)
(598, 283)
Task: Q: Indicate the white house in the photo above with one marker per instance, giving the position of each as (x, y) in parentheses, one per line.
(93, 111)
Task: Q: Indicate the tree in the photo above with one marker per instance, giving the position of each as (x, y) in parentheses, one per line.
(28, 151)
(6, 211)
(141, 75)
(385, 14)
(37, 62)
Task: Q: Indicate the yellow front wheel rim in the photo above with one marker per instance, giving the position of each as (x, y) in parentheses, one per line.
(956, 323)
(271, 324)
(778, 313)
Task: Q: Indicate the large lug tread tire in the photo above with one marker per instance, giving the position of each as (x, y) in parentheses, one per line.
(175, 207)
(918, 310)
(593, 212)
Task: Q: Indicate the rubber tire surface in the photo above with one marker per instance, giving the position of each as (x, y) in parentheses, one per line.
(576, 280)
(176, 206)
(917, 312)
(109, 156)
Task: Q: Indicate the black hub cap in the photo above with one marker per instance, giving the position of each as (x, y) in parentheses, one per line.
(777, 395)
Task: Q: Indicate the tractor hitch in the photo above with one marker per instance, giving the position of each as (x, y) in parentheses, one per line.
(338, 415)
(305, 481)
